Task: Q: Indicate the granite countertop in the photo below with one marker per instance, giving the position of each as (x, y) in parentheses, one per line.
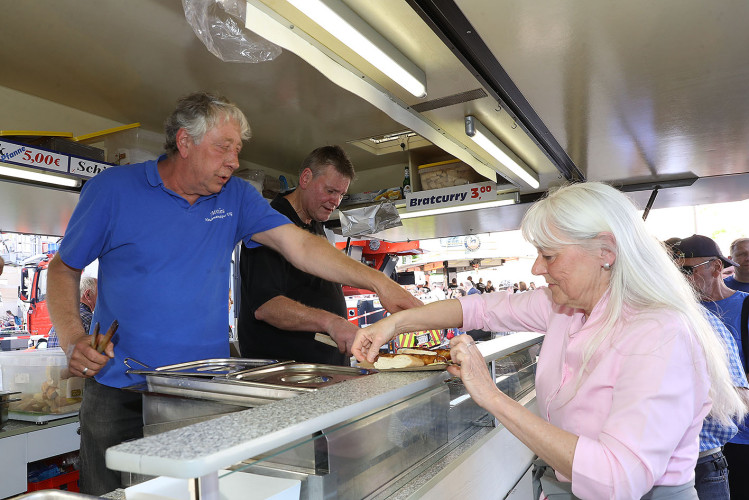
(205, 447)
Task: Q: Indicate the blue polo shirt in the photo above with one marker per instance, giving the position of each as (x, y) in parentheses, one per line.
(733, 284)
(163, 264)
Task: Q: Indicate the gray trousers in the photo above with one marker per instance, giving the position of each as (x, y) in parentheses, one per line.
(544, 480)
(108, 417)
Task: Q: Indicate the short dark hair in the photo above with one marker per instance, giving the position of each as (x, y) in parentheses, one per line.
(736, 243)
(334, 156)
(199, 112)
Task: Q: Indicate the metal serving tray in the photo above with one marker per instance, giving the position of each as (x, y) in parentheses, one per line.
(300, 375)
(217, 367)
(241, 393)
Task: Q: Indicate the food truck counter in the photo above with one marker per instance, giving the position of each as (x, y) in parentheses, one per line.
(367, 437)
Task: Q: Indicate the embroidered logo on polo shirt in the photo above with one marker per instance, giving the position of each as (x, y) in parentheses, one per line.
(219, 213)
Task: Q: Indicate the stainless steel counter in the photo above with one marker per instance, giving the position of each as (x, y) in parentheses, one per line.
(202, 449)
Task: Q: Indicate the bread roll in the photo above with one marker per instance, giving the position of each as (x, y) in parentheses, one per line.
(395, 361)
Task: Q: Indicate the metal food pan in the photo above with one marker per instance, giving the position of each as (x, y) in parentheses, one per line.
(216, 367)
(300, 374)
(234, 392)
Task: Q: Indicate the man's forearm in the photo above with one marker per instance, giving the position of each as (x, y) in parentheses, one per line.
(63, 290)
(316, 256)
(328, 260)
(288, 314)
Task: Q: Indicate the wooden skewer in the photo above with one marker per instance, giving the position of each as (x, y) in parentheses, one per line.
(95, 335)
(105, 340)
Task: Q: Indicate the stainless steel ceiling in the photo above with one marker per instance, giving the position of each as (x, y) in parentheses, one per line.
(633, 91)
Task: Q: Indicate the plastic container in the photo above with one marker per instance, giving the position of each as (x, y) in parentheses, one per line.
(67, 482)
(447, 174)
(41, 378)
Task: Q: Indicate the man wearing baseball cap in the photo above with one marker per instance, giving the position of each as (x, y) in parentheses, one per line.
(701, 261)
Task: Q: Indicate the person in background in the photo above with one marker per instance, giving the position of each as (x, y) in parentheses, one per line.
(480, 286)
(86, 305)
(740, 255)
(456, 291)
(89, 292)
(282, 308)
(522, 287)
(170, 225)
(711, 475)
(629, 367)
(8, 321)
(702, 262)
(471, 288)
(489, 287)
(532, 286)
(438, 293)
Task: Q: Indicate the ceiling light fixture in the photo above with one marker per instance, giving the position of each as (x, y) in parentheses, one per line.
(492, 145)
(502, 200)
(17, 173)
(344, 24)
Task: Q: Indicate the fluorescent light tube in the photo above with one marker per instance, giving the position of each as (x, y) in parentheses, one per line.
(492, 145)
(29, 175)
(344, 24)
(502, 200)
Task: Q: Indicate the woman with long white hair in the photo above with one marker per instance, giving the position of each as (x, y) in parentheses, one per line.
(629, 367)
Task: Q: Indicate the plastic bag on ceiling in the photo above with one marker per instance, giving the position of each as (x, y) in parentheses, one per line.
(369, 220)
(219, 24)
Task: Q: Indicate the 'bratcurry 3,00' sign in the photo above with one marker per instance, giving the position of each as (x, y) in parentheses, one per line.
(451, 196)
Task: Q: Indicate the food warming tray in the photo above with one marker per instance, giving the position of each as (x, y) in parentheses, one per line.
(247, 394)
(216, 367)
(309, 375)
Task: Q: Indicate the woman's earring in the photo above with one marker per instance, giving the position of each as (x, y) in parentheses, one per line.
(607, 266)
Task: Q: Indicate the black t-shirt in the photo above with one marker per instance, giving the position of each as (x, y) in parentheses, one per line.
(267, 274)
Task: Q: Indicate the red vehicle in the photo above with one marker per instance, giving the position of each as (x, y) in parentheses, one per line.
(33, 291)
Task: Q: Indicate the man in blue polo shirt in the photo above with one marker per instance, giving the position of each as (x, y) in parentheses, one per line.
(163, 232)
(740, 255)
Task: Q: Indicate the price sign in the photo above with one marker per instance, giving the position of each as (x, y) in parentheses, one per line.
(32, 157)
(86, 168)
(452, 196)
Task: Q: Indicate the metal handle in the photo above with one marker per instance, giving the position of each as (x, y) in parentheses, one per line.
(135, 361)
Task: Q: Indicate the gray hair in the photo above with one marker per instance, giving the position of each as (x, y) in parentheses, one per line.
(199, 112)
(88, 284)
(643, 276)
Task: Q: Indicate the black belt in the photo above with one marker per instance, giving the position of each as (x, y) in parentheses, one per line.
(716, 461)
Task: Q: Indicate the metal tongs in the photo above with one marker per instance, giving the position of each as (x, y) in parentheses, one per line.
(100, 342)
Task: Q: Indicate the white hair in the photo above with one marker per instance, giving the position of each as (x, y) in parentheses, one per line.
(88, 284)
(643, 275)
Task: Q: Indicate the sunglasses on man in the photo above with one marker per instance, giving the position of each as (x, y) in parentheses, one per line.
(689, 270)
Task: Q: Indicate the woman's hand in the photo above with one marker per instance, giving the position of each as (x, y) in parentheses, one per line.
(369, 340)
(471, 368)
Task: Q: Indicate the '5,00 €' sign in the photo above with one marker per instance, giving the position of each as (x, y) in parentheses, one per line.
(21, 154)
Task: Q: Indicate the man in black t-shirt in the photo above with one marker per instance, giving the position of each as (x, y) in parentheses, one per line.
(281, 307)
